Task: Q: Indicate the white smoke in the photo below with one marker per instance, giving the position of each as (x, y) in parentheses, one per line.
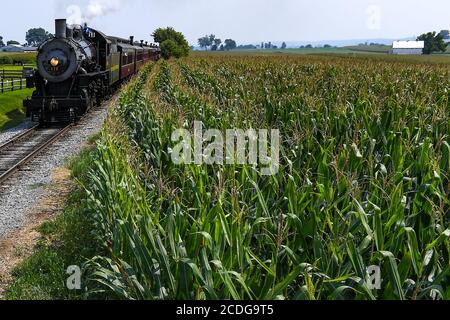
(94, 9)
(100, 8)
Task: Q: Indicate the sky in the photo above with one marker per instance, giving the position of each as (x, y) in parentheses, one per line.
(246, 21)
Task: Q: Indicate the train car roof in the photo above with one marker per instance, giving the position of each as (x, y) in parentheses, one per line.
(127, 46)
(124, 43)
(119, 40)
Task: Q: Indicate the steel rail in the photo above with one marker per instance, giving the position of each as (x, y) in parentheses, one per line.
(34, 152)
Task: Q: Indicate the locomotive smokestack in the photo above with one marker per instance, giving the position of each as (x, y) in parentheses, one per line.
(132, 40)
(60, 28)
(142, 43)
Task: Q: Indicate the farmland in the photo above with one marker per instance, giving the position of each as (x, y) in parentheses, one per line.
(10, 58)
(363, 181)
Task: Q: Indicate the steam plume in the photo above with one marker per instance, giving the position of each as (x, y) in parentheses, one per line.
(94, 9)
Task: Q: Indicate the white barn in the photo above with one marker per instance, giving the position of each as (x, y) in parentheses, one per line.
(408, 47)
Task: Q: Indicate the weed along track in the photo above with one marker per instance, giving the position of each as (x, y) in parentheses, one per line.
(20, 150)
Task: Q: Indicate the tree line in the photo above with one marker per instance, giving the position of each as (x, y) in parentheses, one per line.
(33, 37)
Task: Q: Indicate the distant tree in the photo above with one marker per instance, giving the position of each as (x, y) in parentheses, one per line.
(445, 34)
(216, 44)
(36, 36)
(1, 42)
(10, 42)
(230, 44)
(433, 42)
(222, 48)
(204, 42)
(171, 42)
(327, 46)
(301, 47)
(309, 46)
(269, 45)
(283, 45)
(212, 38)
(247, 47)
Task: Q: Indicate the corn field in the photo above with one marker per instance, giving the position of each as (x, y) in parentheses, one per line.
(364, 180)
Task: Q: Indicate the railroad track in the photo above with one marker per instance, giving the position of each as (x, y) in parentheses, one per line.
(20, 150)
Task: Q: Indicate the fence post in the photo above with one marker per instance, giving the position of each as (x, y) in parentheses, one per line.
(2, 84)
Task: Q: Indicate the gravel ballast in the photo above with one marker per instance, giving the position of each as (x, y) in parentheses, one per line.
(11, 133)
(23, 192)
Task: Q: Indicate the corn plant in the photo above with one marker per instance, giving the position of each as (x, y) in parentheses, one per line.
(364, 180)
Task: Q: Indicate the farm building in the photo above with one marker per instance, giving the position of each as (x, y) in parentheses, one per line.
(17, 48)
(408, 47)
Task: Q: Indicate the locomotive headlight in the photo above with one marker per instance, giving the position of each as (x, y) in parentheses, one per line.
(54, 62)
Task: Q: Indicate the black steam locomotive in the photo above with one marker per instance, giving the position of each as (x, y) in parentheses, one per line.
(79, 67)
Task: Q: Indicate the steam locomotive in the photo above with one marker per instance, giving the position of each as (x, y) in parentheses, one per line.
(79, 67)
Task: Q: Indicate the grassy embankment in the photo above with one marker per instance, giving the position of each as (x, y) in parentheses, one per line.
(364, 180)
(11, 108)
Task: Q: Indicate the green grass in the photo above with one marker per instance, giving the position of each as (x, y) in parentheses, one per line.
(66, 241)
(371, 49)
(10, 67)
(11, 108)
(8, 58)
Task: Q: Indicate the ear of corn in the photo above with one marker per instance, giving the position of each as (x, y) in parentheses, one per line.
(364, 180)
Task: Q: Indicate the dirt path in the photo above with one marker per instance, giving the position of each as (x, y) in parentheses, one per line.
(19, 245)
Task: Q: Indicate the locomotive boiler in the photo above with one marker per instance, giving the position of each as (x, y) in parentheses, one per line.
(78, 68)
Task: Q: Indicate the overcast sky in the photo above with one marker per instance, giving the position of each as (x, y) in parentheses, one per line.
(243, 20)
